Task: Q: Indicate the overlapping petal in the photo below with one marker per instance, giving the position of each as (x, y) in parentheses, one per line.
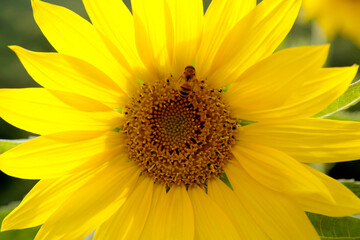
(213, 224)
(187, 17)
(72, 35)
(173, 218)
(346, 202)
(93, 203)
(49, 111)
(44, 199)
(309, 140)
(129, 220)
(48, 157)
(64, 73)
(279, 172)
(280, 217)
(113, 20)
(252, 39)
(318, 90)
(270, 82)
(220, 18)
(158, 196)
(235, 210)
(154, 35)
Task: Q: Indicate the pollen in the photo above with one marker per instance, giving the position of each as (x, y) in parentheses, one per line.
(179, 138)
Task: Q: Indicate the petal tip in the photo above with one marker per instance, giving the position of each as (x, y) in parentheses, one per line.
(5, 226)
(15, 48)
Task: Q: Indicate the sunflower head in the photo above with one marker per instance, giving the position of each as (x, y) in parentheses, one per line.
(179, 131)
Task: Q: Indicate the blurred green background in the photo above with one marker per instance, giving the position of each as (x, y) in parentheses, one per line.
(17, 27)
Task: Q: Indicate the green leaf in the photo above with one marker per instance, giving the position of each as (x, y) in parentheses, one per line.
(338, 228)
(344, 228)
(349, 98)
(6, 144)
(23, 234)
(345, 116)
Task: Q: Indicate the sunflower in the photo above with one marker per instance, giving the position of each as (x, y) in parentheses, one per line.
(170, 124)
(336, 17)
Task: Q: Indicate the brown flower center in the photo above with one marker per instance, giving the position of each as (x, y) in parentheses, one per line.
(179, 131)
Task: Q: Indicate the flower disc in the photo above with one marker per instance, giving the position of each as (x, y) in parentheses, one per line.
(179, 137)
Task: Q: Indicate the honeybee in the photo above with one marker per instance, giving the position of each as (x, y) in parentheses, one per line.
(189, 76)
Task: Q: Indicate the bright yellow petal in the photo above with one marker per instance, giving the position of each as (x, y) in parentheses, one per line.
(309, 140)
(235, 210)
(114, 21)
(220, 18)
(333, 80)
(174, 218)
(171, 215)
(43, 200)
(187, 16)
(60, 72)
(154, 35)
(48, 157)
(279, 172)
(48, 111)
(270, 82)
(158, 196)
(346, 202)
(128, 222)
(320, 88)
(72, 35)
(278, 216)
(254, 38)
(92, 204)
(210, 220)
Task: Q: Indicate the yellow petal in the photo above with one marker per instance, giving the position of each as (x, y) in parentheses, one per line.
(171, 215)
(270, 82)
(220, 18)
(174, 218)
(333, 80)
(279, 172)
(72, 35)
(154, 35)
(210, 220)
(43, 200)
(48, 157)
(309, 140)
(115, 23)
(346, 202)
(187, 16)
(255, 37)
(60, 72)
(48, 111)
(235, 210)
(129, 220)
(278, 216)
(91, 204)
(320, 88)
(158, 196)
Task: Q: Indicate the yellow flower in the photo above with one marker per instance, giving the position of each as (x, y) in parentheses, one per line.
(149, 161)
(336, 17)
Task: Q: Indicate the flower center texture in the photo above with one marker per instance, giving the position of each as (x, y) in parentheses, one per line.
(179, 131)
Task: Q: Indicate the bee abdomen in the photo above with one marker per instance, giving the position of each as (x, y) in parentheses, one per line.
(185, 90)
